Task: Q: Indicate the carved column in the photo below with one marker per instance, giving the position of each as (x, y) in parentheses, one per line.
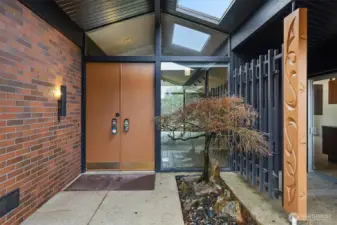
(295, 113)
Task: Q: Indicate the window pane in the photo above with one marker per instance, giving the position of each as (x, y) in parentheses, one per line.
(183, 84)
(185, 38)
(196, 43)
(210, 10)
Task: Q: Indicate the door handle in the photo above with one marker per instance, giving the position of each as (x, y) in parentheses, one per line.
(126, 125)
(114, 126)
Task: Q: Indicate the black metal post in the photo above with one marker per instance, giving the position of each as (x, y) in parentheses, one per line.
(270, 123)
(83, 104)
(230, 68)
(246, 99)
(277, 124)
(253, 102)
(206, 84)
(157, 79)
(261, 172)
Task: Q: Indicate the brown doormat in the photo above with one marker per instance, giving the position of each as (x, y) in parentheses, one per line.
(110, 182)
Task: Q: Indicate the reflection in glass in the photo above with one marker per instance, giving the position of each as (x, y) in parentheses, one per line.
(183, 84)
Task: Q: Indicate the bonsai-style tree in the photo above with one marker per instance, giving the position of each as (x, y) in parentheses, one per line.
(227, 120)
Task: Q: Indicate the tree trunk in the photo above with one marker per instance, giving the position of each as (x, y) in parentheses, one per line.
(205, 174)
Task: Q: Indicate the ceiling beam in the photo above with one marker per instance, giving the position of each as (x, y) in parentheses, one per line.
(264, 14)
(120, 59)
(196, 59)
(195, 76)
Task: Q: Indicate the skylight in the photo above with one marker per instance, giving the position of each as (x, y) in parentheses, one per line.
(209, 10)
(189, 38)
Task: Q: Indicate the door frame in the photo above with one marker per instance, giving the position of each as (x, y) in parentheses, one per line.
(311, 122)
(310, 126)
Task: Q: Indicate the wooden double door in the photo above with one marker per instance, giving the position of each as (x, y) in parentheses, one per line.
(120, 116)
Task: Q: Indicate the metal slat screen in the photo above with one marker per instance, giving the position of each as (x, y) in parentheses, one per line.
(259, 83)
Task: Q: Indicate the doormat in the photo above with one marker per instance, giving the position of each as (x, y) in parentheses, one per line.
(113, 182)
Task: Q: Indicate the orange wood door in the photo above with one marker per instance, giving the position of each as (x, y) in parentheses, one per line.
(103, 102)
(137, 105)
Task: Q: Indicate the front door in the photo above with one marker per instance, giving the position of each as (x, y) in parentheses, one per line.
(120, 116)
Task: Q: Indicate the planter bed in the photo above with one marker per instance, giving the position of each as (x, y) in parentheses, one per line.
(210, 203)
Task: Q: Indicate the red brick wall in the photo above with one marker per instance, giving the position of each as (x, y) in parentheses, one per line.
(38, 154)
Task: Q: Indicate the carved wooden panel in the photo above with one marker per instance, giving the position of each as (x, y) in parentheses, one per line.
(295, 113)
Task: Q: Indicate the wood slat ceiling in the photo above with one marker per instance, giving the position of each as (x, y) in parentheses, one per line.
(322, 20)
(89, 14)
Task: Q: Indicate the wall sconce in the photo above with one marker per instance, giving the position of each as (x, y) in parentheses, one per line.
(61, 96)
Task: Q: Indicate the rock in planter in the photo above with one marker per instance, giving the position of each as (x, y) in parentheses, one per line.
(233, 209)
(220, 203)
(201, 189)
(183, 187)
(191, 179)
(189, 203)
(227, 194)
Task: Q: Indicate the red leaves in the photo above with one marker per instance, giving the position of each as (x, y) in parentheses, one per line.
(218, 116)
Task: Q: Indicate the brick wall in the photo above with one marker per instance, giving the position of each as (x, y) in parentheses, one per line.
(38, 154)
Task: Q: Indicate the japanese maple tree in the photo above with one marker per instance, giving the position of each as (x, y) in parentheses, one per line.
(226, 120)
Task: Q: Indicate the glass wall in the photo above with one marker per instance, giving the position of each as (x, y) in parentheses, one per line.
(183, 84)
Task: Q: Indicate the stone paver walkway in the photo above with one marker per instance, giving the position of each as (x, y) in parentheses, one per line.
(158, 207)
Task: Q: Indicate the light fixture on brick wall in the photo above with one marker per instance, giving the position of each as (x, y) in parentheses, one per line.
(61, 96)
(57, 93)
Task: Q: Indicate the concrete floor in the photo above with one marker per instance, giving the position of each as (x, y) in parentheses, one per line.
(322, 199)
(162, 206)
(158, 207)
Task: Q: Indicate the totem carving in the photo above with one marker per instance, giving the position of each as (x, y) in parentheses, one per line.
(295, 113)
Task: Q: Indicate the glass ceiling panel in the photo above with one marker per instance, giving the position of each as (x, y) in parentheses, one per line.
(189, 38)
(210, 10)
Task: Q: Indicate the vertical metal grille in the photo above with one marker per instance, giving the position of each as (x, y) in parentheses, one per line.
(259, 83)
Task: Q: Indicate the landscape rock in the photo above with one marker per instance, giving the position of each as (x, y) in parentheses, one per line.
(220, 203)
(227, 194)
(189, 203)
(183, 187)
(191, 179)
(202, 189)
(233, 209)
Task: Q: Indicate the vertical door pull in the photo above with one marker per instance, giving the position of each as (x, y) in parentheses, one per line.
(114, 126)
(126, 125)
